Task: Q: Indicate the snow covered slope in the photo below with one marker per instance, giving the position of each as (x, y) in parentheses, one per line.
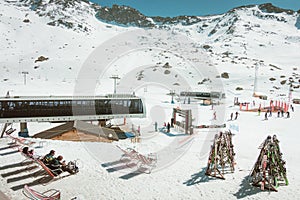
(63, 44)
(63, 35)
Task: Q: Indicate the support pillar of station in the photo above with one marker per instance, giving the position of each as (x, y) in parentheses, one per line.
(102, 122)
(23, 130)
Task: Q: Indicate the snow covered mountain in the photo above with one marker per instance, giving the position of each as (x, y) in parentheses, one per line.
(49, 47)
(43, 37)
(69, 14)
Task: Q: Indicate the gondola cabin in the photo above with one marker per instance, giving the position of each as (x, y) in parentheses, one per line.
(69, 108)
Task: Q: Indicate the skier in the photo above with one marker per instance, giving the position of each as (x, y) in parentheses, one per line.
(215, 115)
(155, 126)
(266, 115)
(168, 127)
(172, 122)
(282, 113)
(139, 130)
(236, 115)
(292, 107)
(231, 116)
(278, 114)
(287, 114)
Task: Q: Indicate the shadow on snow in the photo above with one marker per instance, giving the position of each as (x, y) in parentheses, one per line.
(246, 189)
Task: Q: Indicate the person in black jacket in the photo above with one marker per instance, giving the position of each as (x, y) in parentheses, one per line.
(48, 157)
(58, 166)
(168, 127)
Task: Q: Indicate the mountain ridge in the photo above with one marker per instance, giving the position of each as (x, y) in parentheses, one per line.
(66, 34)
(124, 15)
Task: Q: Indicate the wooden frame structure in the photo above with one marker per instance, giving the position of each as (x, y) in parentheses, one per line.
(221, 156)
(187, 124)
(269, 169)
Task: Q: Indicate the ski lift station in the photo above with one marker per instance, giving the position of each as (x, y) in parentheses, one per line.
(207, 97)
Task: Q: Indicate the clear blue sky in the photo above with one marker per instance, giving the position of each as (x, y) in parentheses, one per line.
(173, 8)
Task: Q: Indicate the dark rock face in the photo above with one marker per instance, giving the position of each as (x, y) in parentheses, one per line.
(269, 8)
(123, 15)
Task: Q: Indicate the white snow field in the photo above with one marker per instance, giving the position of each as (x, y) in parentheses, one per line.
(152, 66)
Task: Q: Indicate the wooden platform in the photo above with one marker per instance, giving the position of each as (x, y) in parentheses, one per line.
(80, 136)
(79, 131)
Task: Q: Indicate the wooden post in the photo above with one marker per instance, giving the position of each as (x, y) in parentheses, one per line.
(4, 129)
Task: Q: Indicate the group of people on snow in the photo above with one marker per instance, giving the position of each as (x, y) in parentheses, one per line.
(236, 115)
(56, 164)
(167, 126)
(28, 152)
(280, 113)
(59, 165)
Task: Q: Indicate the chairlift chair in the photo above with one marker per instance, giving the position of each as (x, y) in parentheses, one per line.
(51, 194)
